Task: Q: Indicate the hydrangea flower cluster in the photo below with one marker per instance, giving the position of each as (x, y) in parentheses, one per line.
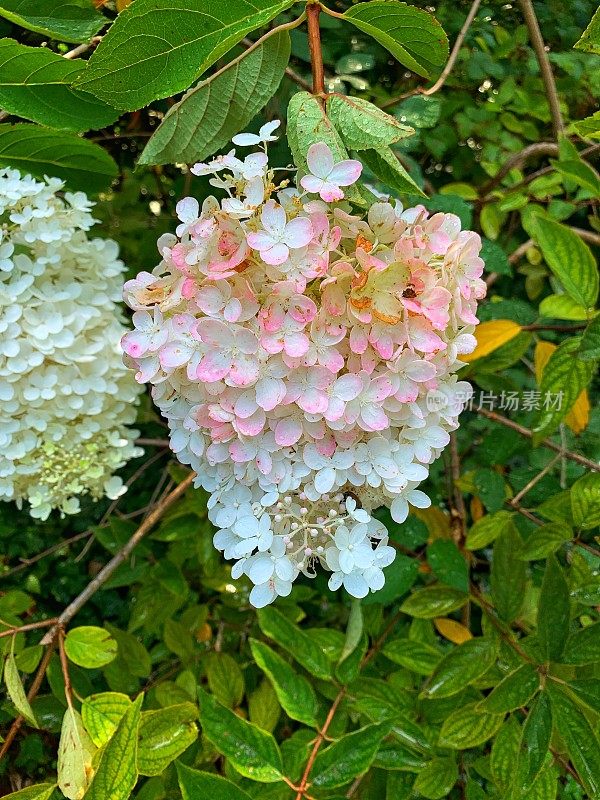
(304, 356)
(65, 395)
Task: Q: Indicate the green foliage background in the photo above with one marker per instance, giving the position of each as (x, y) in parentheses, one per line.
(475, 672)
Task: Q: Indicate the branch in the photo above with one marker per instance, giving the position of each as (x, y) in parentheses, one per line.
(313, 10)
(516, 161)
(586, 462)
(105, 573)
(31, 626)
(449, 64)
(537, 42)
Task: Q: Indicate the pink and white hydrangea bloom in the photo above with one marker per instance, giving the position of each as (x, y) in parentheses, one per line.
(305, 358)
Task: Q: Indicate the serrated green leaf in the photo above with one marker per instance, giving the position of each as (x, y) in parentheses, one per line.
(416, 656)
(385, 165)
(590, 39)
(75, 753)
(561, 306)
(509, 574)
(225, 679)
(40, 151)
(433, 601)
(35, 82)
(413, 36)
(468, 727)
(588, 128)
(155, 49)
(461, 666)
(569, 258)
(40, 791)
(90, 646)
(545, 540)
(589, 349)
(65, 20)
(579, 737)
(164, 735)
(487, 529)
(565, 376)
(436, 780)
(206, 118)
(15, 690)
(252, 751)
(583, 646)
(537, 732)
(294, 641)
(348, 757)
(197, 785)
(587, 692)
(579, 172)
(585, 501)
(553, 611)
(513, 691)
(505, 753)
(101, 713)
(362, 125)
(264, 708)
(117, 772)
(293, 691)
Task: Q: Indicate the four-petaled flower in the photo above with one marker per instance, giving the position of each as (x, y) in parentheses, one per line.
(279, 236)
(326, 177)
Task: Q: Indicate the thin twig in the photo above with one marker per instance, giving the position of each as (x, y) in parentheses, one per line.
(97, 582)
(31, 626)
(518, 160)
(313, 10)
(64, 665)
(456, 501)
(449, 64)
(537, 42)
(83, 48)
(535, 480)
(586, 462)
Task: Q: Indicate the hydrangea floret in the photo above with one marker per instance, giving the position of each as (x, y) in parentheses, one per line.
(66, 397)
(305, 357)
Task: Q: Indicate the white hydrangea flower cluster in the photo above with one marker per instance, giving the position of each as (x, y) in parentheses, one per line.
(65, 395)
(304, 356)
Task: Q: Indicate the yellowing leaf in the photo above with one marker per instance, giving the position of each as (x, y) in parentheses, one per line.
(438, 523)
(579, 416)
(477, 509)
(452, 630)
(75, 754)
(492, 335)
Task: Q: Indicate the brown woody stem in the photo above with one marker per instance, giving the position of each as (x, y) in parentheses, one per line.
(313, 10)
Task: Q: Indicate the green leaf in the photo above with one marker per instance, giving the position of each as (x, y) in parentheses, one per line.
(155, 49)
(414, 37)
(415, 656)
(225, 679)
(101, 714)
(436, 780)
(487, 529)
(15, 690)
(348, 757)
(561, 306)
(294, 641)
(460, 666)
(585, 501)
(264, 708)
(448, 564)
(589, 349)
(468, 727)
(583, 646)
(197, 785)
(66, 20)
(131, 652)
(509, 574)
(512, 692)
(117, 772)
(579, 737)
(82, 164)
(399, 577)
(537, 732)
(553, 611)
(293, 691)
(75, 753)
(588, 128)
(580, 172)
(587, 692)
(362, 125)
(433, 601)
(210, 114)
(253, 752)
(569, 258)
(90, 646)
(40, 791)
(505, 753)
(35, 82)
(565, 376)
(590, 39)
(164, 735)
(545, 540)
(385, 165)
